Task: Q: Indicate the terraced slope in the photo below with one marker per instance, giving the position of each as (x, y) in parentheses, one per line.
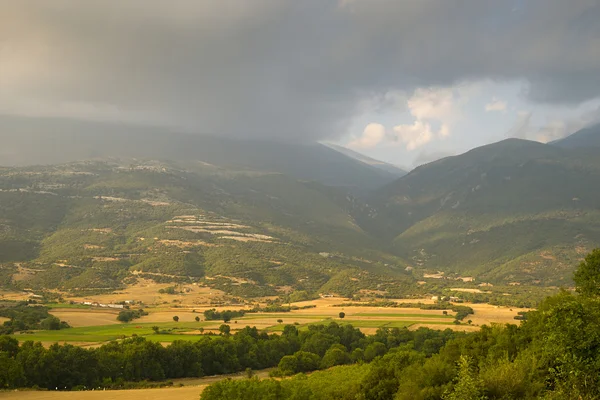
(98, 225)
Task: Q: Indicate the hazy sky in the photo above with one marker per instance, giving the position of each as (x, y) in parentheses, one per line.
(404, 81)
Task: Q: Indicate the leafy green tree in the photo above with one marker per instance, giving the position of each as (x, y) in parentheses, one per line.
(225, 329)
(587, 276)
(155, 329)
(247, 389)
(301, 361)
(9, 345)
(468, 385)
(374, 350)
(342, 314)
(50, 324)
(335, 356)
(197, 319)
(175, 318)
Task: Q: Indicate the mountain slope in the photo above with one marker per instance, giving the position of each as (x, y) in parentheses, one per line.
(513, 210)
(30, 141)
(584, 138)
(93, 226)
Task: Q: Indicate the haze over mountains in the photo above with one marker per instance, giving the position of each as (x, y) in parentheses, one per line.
(39, 141)
(513, 211)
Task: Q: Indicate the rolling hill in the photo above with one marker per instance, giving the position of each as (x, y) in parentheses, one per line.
(95, 226)
(511, 211)
(257, 218)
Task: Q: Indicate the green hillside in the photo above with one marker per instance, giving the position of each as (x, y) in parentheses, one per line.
(94, 226)
(511, 211)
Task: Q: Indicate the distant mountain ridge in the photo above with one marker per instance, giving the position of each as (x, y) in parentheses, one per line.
(584, 138)
(27, 141)
(368, 160)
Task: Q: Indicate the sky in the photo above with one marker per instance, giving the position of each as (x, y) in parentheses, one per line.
(402, 81)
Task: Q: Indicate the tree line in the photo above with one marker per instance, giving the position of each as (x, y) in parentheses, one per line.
(70, 367)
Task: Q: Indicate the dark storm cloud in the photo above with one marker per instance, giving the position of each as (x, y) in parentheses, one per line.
(285, 69)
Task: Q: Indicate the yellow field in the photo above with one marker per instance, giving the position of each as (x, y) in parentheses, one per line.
(190, 391)
(179, 393)
(83, 317)
(487, 314)
(367, 318)
(147, 291)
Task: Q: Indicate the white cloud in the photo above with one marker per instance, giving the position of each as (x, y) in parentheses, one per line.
(552, 129)
(415, 135)
(433, 104)
(430, 107)
(434, 111)
(372, 135)
(495, 105)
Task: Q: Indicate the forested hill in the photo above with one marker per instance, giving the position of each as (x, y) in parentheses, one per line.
(99, 225)
(510, 211)
(513, 212)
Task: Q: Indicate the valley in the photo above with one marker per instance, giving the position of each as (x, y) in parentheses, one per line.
(122, 260)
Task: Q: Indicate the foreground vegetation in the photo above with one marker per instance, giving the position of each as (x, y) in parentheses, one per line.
(551, 355)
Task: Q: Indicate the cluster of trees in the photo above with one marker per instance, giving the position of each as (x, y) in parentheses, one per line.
(225, 316)
(130, 315)
(167, 290)
(25, 317)
(553, 354)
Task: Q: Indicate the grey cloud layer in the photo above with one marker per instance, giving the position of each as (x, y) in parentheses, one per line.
(286, 69)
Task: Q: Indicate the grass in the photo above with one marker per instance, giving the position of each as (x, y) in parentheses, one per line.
(105, 333)
(67, 305)
(283, 316)
(388, 324)
(404, 315)
(362, 324)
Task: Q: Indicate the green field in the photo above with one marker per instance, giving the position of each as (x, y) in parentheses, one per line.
(67, 305)
(104, 333)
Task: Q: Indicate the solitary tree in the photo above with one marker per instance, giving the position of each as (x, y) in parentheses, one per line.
(280, 321)
(587, 276)
(155, 329)
(175, 318)
(197, 319)
(226, 316)
(225, 329)
(342, 314)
